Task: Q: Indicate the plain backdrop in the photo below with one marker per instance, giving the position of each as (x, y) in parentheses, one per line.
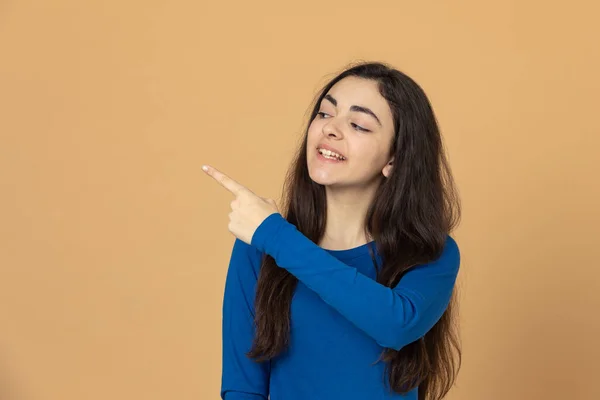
(114, 244)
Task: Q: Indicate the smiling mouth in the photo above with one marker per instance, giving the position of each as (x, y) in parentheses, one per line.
(329, 155)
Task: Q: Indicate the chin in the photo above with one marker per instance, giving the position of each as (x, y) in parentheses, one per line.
(321, 174)
(321, 182)
(320, 178)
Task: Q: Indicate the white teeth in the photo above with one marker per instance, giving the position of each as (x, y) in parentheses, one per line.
(331, 154)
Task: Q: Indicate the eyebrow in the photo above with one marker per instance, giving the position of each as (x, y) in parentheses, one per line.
(354, 108)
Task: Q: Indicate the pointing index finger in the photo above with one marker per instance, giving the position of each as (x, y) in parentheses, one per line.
(225, 181)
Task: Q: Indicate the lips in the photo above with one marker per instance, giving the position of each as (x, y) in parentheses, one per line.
(330, 148)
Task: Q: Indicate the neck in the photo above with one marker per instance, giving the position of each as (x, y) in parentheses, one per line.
(346, 212)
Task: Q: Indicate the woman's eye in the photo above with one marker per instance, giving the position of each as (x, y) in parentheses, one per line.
(360, 128)
(322, 114)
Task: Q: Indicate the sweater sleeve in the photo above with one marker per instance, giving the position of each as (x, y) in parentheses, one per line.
(393, 317)
(242, 377)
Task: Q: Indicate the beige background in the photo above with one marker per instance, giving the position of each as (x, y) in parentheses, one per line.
(114, 244)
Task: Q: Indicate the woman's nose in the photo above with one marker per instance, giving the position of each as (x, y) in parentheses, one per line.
(332, 129)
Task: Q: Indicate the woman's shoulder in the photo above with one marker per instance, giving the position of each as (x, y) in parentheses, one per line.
(450, 255)
(447, 258)
(451, 246)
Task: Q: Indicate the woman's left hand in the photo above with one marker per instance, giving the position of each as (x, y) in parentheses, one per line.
(248, 209)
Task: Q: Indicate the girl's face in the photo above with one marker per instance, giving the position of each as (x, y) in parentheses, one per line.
(355, 121)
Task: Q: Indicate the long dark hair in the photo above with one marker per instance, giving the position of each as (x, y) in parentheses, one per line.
(412, 213)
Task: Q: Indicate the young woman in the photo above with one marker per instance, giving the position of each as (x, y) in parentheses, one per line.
(348, 294)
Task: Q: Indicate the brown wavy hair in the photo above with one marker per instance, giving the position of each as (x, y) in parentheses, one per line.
(411, 214)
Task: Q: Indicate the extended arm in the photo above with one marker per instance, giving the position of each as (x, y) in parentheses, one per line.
(393, 317)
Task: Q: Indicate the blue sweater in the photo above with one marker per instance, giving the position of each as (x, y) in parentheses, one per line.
(341, 318)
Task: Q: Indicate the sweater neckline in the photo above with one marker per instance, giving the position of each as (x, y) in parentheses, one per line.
(351, 253)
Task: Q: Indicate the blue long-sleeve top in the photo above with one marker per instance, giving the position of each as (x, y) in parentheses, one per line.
(341, 318)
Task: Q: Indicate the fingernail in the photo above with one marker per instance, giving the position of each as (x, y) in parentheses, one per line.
(205, 168)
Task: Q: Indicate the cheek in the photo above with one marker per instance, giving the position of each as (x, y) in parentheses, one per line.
(314, 133)
(314, 127)
(312, 137)
(370, 156)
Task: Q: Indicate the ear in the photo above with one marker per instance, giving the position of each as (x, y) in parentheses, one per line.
(387, 170)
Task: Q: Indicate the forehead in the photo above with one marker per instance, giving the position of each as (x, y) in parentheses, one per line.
(361, 92)
(358, 91)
